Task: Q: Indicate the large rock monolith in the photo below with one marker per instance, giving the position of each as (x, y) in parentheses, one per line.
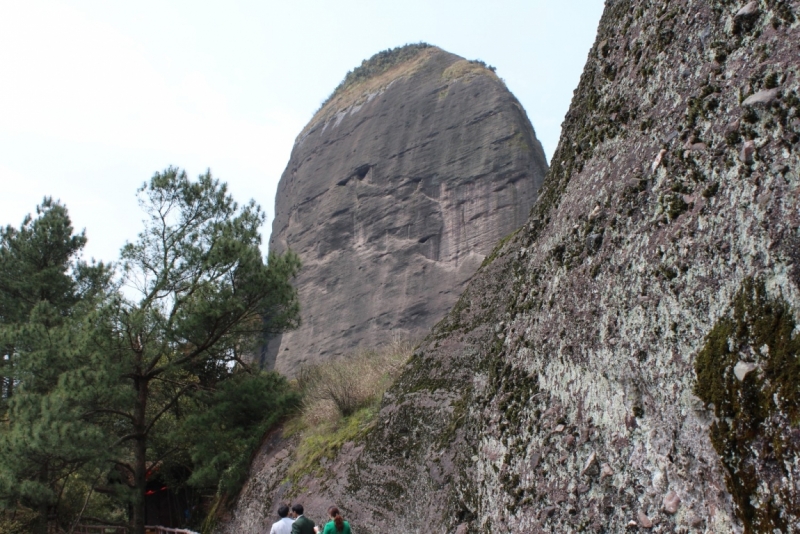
(398, 188)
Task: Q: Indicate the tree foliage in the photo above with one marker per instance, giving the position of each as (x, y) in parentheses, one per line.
(110, 378)
(46, 295)
(39, 266)
(225, 427)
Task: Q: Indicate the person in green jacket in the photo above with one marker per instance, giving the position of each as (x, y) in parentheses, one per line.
(337, 525)
(302, 524)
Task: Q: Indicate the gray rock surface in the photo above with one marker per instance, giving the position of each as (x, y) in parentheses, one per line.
(395, 192)
(628, 346)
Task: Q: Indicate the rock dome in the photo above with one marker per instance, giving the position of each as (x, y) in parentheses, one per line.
(395, 192)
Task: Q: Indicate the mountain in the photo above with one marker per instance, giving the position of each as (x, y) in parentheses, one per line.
(628, 360)
(395, 192)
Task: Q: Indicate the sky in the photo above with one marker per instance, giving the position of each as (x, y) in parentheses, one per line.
(96, 96)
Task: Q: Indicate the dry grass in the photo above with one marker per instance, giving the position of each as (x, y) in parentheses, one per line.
(342, 398)
(357, 93)
(467, 69)
(341, 387)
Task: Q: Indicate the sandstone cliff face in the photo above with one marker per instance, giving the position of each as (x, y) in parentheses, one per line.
(394, 194)
(629, 359)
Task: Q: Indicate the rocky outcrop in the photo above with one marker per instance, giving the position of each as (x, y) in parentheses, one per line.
(394, 194)
(630, 357)
(628, 360)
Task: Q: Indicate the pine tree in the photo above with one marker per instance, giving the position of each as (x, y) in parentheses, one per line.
(198, 299)
(104, 382)
(45, 293)
(35, 265)
(224, 426)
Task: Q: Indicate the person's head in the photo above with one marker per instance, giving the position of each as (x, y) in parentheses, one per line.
(297, 509)
(283, 511)
(338, 520)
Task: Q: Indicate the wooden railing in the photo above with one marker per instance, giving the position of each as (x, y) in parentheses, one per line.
(91, 529)
(105, 529)
(166, 530)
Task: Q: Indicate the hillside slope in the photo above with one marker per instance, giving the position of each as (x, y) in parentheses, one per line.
(631, 355)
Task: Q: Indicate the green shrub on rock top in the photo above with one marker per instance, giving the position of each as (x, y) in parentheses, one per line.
(376, 65)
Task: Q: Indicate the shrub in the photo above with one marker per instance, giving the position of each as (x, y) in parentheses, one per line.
(350, 383)
(376, 65)
(340, 401)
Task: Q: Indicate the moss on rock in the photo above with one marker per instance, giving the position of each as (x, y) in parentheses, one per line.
(757, 411)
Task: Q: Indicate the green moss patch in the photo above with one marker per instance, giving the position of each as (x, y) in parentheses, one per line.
(326, 441)
(755, 417)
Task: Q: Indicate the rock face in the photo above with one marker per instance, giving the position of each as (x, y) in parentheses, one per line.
(394, 194)
(590, 378)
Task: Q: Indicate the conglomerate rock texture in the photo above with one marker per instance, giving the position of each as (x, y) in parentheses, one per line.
(395, 192)
(628, 360)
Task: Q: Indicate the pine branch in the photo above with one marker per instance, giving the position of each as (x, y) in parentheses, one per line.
(161, 458)
(104, 521)
(125, 438)
(108, 410)
(166, 408)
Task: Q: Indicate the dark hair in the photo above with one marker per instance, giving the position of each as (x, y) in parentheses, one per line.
(338, 520)
(298, 509)
(283, 510)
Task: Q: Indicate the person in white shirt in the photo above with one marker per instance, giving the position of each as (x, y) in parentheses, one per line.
(284, 524)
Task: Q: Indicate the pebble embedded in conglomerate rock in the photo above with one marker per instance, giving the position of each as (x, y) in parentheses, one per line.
(593, 242)
(644, 521)
(394, 194)
(657, 161)
(742, 369)
(589, 462)
(764, 96)
(747, 152)
(748, 10)
(671, 502)
(606, 471)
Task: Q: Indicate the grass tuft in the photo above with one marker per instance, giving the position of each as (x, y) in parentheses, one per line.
(341, 399)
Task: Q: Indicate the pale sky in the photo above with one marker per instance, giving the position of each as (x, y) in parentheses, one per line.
(97, 95)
